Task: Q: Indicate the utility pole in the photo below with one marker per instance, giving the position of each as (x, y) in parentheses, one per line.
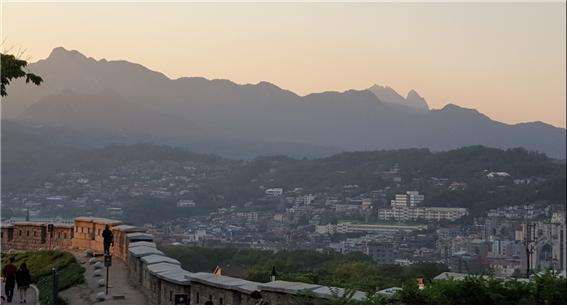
(529, 240)
(55, 286)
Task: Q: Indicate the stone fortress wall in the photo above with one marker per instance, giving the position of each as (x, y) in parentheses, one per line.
(160, 278)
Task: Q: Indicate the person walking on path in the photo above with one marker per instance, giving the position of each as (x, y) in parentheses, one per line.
(108, 239)
(23, 278)
(9, 274)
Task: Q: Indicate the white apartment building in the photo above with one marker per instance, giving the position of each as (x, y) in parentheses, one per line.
(186, 203)
(348, 227)
(410, 198)
(405, 207)
(274, 192)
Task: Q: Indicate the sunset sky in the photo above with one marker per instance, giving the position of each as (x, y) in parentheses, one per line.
(507, 60)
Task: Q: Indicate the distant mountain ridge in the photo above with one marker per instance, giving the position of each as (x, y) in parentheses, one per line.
(134, 103)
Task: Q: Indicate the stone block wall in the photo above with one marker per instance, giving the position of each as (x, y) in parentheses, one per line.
(201, 293)
(162, 278)
(88, 233)
(169, 290)
(35, 235)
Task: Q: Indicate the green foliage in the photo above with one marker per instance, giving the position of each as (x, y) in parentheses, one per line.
(548, 289)
(41, 263)
(14, 68)
(354, 271)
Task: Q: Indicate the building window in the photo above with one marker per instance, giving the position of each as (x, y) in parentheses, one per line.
(170, 296)
(28, 233)
(20, 233)
(35, 233)
(65, 236)
(197, 299)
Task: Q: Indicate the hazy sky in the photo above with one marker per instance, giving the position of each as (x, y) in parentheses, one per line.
(507, 60)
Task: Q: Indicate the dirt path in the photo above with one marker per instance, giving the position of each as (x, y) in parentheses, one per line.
(121, 293)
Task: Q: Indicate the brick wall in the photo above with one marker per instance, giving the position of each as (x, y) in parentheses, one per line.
(36, 235)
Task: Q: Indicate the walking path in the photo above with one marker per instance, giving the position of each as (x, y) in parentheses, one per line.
(120, 291)
(31, 299)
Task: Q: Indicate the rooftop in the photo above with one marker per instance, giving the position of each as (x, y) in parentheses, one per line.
(334, 292)
(288, 287)
(139, 236)
(99, 220)
(142, 251)
(152, 259)
(142, 244)
(220, 281)
(129, 228)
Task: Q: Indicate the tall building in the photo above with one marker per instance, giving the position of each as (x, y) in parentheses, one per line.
(410, 198)
(405, 207)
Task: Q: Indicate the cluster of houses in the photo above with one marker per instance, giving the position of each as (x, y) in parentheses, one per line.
(508, 241)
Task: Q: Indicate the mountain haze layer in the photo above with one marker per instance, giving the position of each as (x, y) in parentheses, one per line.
(126, 101)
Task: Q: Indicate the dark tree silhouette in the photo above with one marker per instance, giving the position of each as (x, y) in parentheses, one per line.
(14, 68)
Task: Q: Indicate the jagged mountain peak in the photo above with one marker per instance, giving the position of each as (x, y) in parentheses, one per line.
(417, 101)
(62, 51)
(413, 93)
(61, 54)
(388, 95)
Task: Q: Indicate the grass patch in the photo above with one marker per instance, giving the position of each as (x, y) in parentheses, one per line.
(41, 263)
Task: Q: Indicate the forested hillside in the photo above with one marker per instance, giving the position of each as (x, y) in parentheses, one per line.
(28, 162)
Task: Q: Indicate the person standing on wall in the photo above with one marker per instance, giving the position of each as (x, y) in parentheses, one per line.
(9, 274)
(23, 278)
(108, 239)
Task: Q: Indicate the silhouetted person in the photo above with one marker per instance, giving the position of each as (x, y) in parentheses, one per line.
(108, 239)
(23, 278)
(9, 273)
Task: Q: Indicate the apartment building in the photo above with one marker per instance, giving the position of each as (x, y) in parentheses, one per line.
(405, 207)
